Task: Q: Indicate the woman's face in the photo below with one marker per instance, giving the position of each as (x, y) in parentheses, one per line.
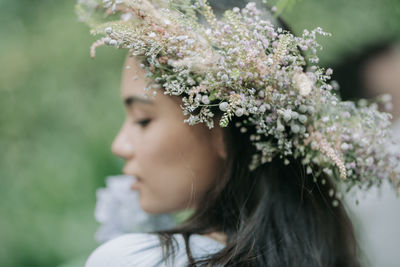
(175, 163)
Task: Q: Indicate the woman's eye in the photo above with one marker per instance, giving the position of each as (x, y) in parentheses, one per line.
(143, 122)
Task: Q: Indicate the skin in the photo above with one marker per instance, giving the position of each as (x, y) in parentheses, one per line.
(176, 164)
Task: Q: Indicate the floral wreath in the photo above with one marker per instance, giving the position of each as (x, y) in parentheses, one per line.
(249, 68)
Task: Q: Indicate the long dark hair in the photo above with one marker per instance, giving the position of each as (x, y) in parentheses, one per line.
(274, 216)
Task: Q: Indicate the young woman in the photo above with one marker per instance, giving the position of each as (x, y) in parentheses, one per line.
(260, 179)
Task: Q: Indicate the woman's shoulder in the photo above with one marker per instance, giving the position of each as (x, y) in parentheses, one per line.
(141, 249)
(127, 250)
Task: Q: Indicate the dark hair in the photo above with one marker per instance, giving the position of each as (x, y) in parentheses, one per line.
(277, 215)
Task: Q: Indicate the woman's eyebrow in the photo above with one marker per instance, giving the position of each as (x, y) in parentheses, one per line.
(130, 100)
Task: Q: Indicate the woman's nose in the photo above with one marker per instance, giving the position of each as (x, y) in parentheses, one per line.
(122, 146)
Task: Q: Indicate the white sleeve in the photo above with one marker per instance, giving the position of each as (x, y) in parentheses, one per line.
(128, 250)
(144, 250)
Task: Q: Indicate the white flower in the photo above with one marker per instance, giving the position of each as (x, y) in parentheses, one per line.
(223, 106)
(325, 119)
(205, 99)
(239, 112)
(126, 16)
(118, 211)
(369, 161)
(344, 146)
(303, 83)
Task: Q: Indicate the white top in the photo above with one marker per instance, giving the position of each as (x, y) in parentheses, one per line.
(140, 249)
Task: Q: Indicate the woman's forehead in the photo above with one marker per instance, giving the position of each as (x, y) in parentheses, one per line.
(134, 80)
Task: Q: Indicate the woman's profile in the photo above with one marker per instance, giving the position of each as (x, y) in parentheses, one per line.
(228, 117)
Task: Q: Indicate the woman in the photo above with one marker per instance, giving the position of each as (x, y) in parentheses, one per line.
(256, 151)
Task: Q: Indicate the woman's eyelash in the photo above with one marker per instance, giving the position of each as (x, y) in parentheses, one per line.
(143, 122)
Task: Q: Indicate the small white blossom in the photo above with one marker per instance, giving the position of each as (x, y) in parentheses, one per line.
(295, 128)
(344, 146)
(224, 106)
(108, 30)
(303, 83)
(303, 108)
(205, 99)
(303, 119)
(239, 112)
(369, 161)
(325, 119)
(113, 42)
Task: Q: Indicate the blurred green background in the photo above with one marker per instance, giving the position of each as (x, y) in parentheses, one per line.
(59, 111)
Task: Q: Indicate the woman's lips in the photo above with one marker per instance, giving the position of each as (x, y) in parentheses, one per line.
(136, 184)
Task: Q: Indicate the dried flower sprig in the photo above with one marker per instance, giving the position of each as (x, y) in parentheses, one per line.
(251, 69)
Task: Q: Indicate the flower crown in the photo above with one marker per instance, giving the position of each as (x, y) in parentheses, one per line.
(251, 69)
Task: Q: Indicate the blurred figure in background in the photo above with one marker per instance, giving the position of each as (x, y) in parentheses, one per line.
(373, 72)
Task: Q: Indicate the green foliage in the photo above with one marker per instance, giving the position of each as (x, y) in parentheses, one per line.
(351, 23)
(57, 121)
(283, 5)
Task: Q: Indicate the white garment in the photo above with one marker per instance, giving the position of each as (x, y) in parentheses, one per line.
(396, 129)
(140, 249)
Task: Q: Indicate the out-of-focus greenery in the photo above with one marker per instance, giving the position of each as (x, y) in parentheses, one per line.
(352, 23)
(59, 111)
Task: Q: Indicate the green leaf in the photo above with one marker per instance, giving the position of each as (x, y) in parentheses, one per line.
(212, 96)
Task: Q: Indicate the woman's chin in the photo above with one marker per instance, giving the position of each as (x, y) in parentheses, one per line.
(148, 207)
(151, 207)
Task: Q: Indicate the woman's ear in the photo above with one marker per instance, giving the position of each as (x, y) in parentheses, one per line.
(219, 141)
